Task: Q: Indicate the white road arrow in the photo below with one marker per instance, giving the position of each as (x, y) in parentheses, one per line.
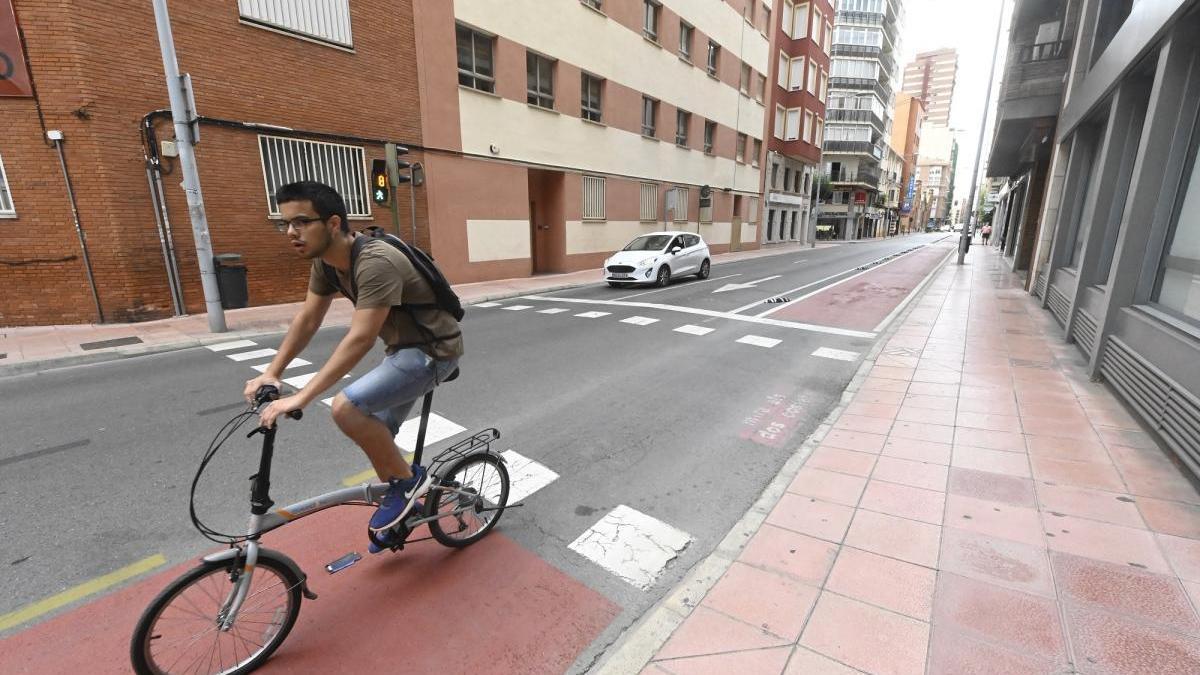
(748, 284)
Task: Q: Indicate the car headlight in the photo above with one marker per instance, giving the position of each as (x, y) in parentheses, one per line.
(647, 262)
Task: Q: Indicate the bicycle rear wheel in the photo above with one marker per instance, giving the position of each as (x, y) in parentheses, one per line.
(178, 632)
(470, 496)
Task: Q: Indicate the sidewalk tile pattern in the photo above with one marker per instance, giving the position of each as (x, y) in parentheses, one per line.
(973, 510)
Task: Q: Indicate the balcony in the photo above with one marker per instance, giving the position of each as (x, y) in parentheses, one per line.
(860, 176)
(1030, 101)
(863, 116)
(860, 18)
(883, 56)
(883, 91)
(853, 148)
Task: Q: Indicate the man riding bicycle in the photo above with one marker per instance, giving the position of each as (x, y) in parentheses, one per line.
(423, 344)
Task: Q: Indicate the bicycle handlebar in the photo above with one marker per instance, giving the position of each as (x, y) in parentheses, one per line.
(269, 392)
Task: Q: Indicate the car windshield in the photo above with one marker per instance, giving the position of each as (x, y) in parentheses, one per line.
(650, 242)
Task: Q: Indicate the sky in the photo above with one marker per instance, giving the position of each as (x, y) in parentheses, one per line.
(970, 27)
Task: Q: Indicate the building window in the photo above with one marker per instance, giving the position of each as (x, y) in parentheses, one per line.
(706, 213)
(808, 126)
(326, 21)
(797, 188)
(649, 203)
(816, 26)
(683, 120)
(680, 204)
(475, 65)
(780, 121)
(649, 116)
(806, 176)
(594, 4)
(1178, 285)
(800, 22)
(812, 78)
(781, 73)
(760, 91)
(740, 151)
(714, 56)
(750, 6)
(686, 33)
(650, 19)
(766, 18)
(820, 133)
(539, 76)
(593, 198)
(828, 41)
(710, 133)
(791, 129)
(287, 160)
(757, 146)
(744, 80)
(752, 217)
(824, 86)
(796, 74)
(6, 203)
(775, 176)
(785, 20)
(787, 177)
(591, 107)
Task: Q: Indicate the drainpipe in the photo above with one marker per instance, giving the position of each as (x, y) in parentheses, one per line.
(158, 201)
(56, 136)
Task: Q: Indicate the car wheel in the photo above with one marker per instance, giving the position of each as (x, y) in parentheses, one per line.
(664, 276)
(704, 270)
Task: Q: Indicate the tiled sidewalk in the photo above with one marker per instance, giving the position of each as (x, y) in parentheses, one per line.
(990, 511)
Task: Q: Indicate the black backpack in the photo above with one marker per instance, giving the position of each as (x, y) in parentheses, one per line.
(445, 298)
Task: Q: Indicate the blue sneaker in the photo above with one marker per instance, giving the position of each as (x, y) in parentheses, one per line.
(401, 496)
(387, 538)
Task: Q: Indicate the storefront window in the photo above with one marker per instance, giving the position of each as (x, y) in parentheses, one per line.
(1178, 288)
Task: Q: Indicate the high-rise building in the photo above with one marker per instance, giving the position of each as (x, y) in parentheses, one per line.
(799, 86)
(863, 77)
(931, 77)
(906, 139)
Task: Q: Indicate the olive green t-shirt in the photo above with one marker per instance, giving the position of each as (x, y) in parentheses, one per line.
(386, 278)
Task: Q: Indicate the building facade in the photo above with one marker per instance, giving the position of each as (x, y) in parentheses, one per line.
(906, 139)
(799, 86)
(935, 171)
(863, 78)
(1115, 259)
(932, 77)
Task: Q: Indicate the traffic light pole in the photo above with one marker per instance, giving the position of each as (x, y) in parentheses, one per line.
(182, 118)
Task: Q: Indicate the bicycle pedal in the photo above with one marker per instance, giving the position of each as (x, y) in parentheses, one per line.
(342, 563)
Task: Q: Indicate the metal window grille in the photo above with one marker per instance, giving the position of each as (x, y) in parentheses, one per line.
(649, 202)
(710, 132)
(476, 69)
(342, 167)
(593, 198)
(649, 115)
(681, 205)
(706, 214)
(539, 72)
(591, 103)
(650, 20)
(6, 203)
(714, 53)
(682, 121)
(324, 20)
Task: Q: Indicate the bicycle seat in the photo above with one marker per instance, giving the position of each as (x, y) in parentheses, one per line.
(452, 376)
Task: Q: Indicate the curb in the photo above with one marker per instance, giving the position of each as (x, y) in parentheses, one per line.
(632, 651)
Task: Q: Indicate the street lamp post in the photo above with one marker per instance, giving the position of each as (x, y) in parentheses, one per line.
(965, 240)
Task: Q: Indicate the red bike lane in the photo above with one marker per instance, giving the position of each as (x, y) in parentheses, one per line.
(493, 607)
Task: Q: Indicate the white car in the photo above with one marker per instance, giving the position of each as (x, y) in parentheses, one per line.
(656, 257)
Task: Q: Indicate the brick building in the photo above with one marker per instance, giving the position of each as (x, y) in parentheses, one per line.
(520, 178)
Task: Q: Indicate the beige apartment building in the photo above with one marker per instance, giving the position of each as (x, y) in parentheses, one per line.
(931, 77)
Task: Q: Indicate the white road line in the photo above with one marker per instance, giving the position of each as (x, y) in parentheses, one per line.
(525, 477)
(631, 545)
(669, 288)
(516, 308)
(328, 401)
(300, 381)
(836, 354)
(915, 291)
(748, 284)
(226, 346)
(776, 308)
(486, 304)
(694, 330)
(553, 310)
(758, 341)
(439, 429)
(828, 330)
(295, 363)
(593, 315)
(256, 354)
(639, 320)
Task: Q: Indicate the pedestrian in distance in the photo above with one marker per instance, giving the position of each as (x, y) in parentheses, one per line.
(400, 298)
(986, 233)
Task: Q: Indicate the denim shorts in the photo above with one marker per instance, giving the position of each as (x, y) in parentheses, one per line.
(389, 391)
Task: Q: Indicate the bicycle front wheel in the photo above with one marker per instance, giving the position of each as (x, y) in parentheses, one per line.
(468, 498)
(180, 633)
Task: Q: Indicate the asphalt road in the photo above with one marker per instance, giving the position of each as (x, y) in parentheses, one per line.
(96, 461)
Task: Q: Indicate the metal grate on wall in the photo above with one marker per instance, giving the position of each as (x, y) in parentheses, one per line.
(1084, 332)
(648, 211)
(324, 20)
(343, 167)
(593, 198)
(1163, 404)
(1039, 287)
(1060, 307)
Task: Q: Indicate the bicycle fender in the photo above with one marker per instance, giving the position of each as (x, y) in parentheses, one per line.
(264, 552)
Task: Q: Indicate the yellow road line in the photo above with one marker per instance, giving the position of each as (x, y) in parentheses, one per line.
(367, 476)
(36, 609)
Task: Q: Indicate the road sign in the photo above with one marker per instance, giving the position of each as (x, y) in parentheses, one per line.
(14, 75)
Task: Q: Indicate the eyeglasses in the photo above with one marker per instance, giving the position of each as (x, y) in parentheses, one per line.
(298, 222)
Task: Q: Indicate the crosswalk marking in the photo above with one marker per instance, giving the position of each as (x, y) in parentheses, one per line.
(593, 315)
(639, 320)
(226, 346)
(553, 310)
(301, 381)
(525, 477)
(295, 363)
(759, 341)
(328, 401)
(487, 304)
(694, 330)
(631, 545)
(256, 354)
(837, 354)
(516, 308)
(439, 429)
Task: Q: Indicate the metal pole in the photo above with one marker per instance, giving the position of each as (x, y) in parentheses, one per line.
(965, 239)
(87, 260)
(187, 164)
(412, 200)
